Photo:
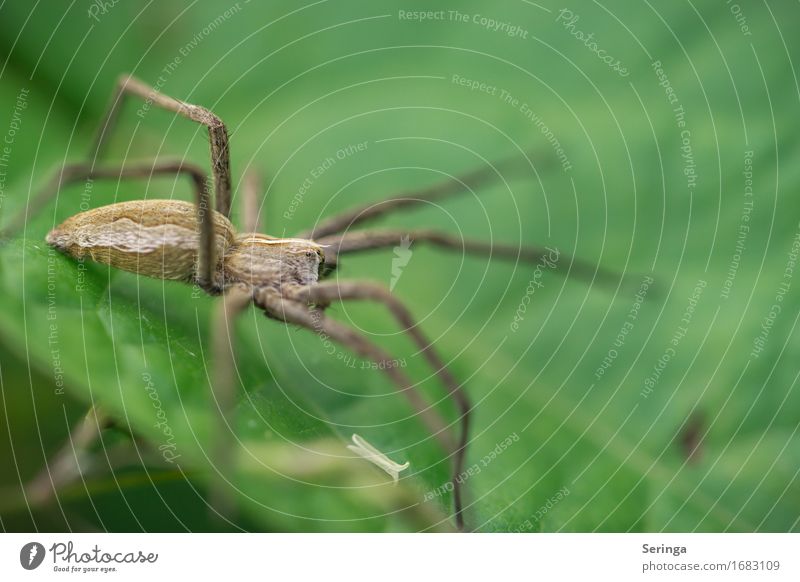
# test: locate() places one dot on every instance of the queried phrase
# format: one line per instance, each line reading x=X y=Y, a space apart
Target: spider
x=193 y=243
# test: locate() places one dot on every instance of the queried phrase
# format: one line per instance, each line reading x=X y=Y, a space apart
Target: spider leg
x=454 y=186
x=328 y=292
x=66 y=466
x=217 y=133
x=298 y=313
x=223 y=387
x=78 y=172
x=359 y=241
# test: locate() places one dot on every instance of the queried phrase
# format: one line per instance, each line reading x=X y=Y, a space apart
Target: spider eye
x=310 y=254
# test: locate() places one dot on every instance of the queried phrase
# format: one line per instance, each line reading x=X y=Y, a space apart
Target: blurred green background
x=692 y=423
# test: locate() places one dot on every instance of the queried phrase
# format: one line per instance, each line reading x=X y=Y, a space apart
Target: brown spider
x=176 y=240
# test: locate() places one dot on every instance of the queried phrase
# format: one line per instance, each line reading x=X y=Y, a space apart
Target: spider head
x=259 y=260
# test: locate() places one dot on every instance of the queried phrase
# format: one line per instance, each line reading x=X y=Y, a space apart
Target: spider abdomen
x=156 y=238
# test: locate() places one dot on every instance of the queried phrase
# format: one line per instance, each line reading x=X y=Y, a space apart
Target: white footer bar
x=378 y=557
